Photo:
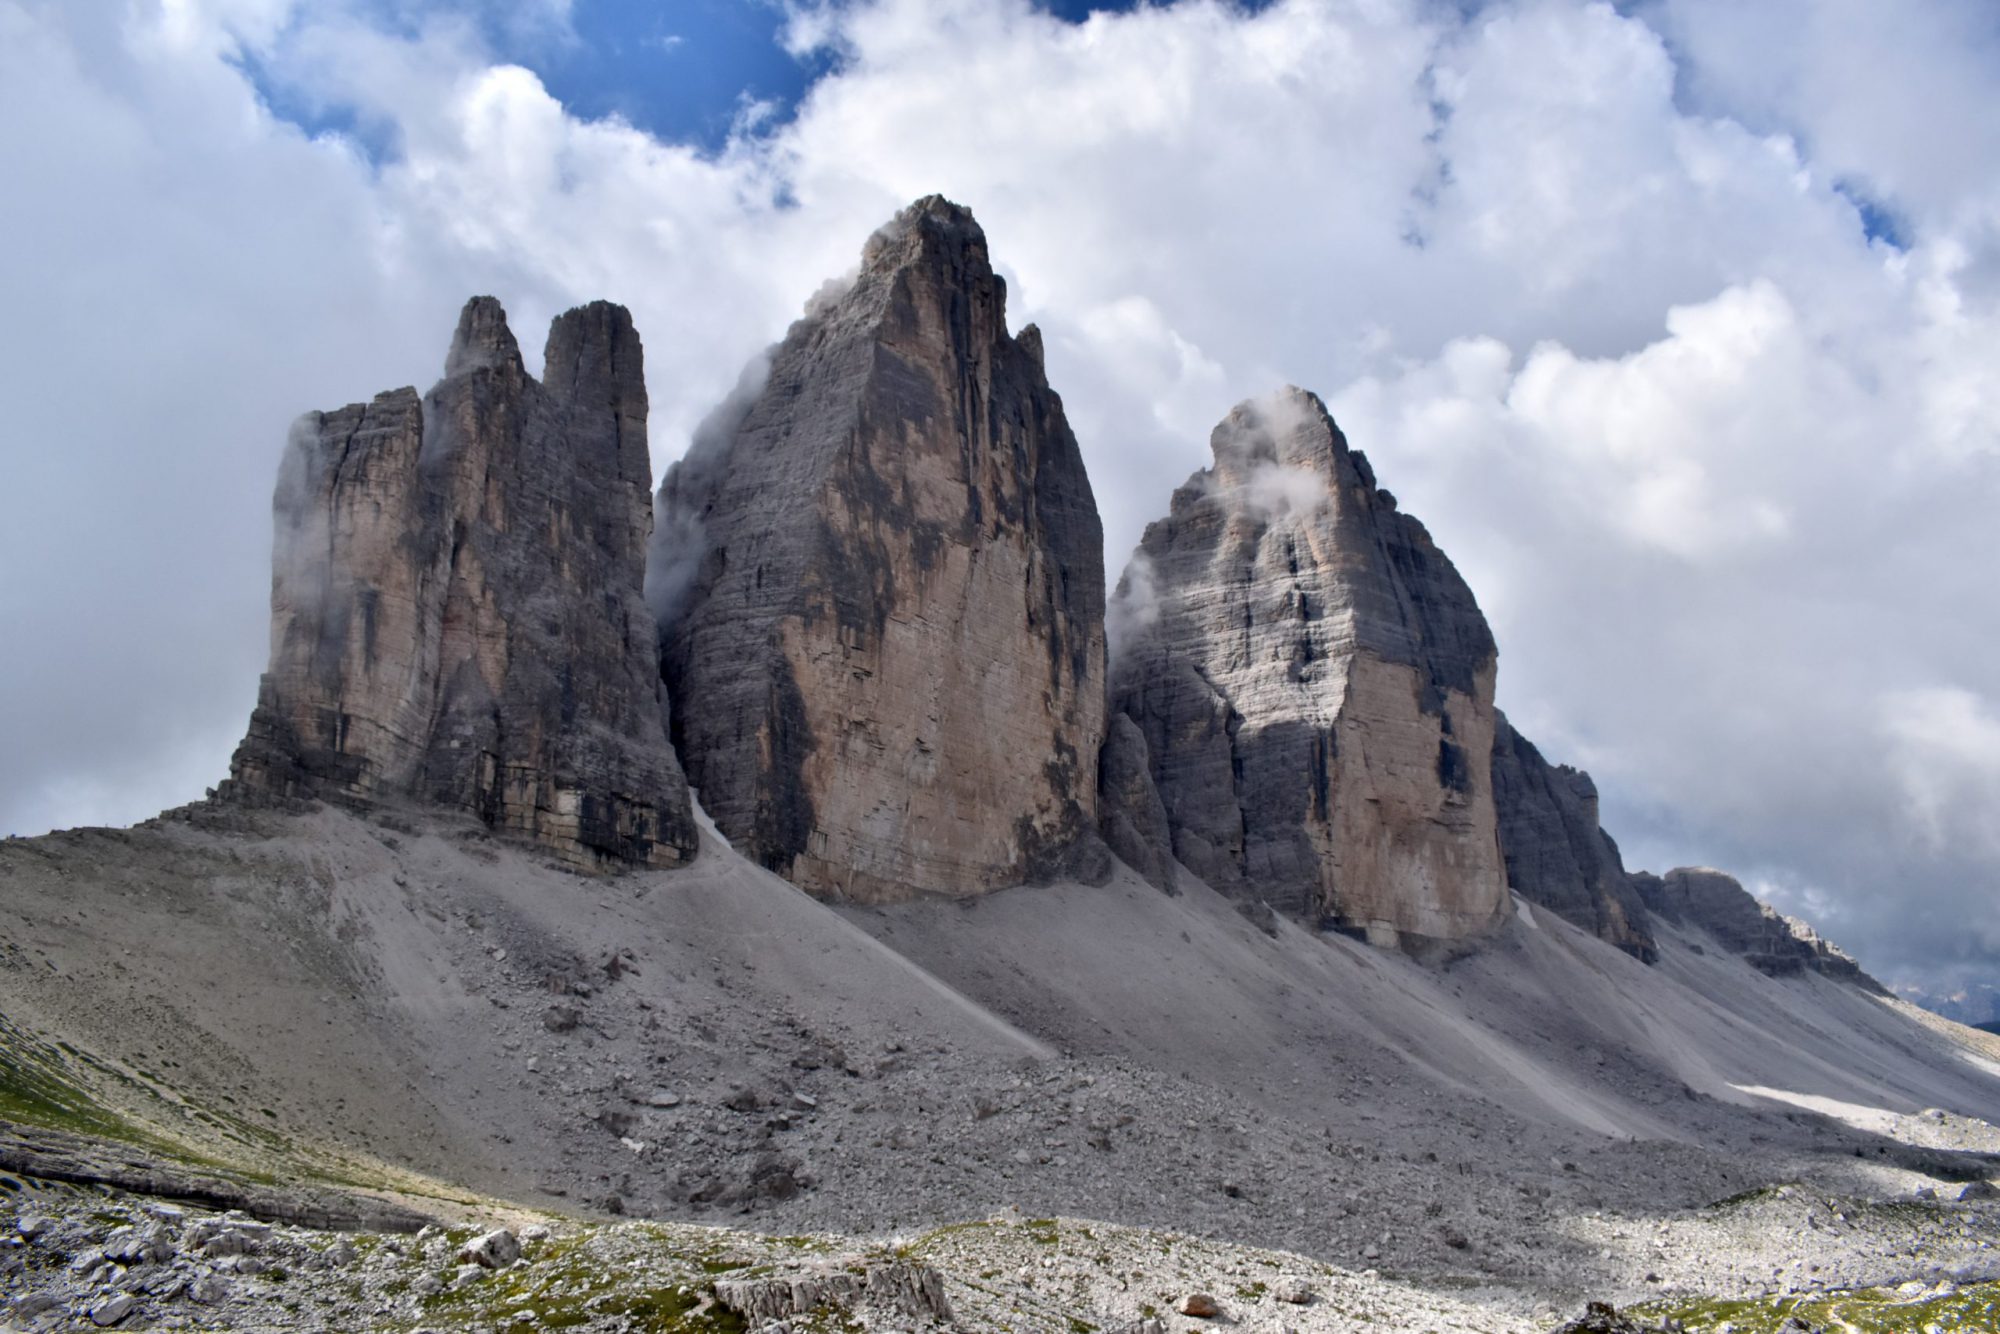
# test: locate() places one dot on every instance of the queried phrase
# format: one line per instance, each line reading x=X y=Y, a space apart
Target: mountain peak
x=888 y=666
x=482 y=339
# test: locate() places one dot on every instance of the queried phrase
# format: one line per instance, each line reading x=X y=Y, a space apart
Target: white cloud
x=1591 y=288
x=1944 y=744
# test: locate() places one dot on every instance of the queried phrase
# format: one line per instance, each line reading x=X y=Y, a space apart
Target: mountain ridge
x=1263 y=924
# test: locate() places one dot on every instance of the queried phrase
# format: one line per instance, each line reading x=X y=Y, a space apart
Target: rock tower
x=884 y=626
x=457 y=615
x=1314 y=683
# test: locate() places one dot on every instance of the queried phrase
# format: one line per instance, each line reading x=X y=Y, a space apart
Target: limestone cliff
x=1314 y=683
x=1557 y=855
x=1130 y=815
x=1769 y=941
x=456 y=607
x=883 y=616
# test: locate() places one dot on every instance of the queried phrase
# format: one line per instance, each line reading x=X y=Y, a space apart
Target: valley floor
x=388 y=1005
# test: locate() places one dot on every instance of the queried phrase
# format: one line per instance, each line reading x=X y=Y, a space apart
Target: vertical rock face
x=883 y=609
x=1768 y=941
x=456 y=607
x=1314 y=683
x=1556 y=853
x=1130 y=814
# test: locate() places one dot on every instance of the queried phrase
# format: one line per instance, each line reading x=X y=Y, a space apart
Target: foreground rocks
x=456 y=605
x=1314 y=684
x=881 y=589
x=86 y=1259
x=92 y=1162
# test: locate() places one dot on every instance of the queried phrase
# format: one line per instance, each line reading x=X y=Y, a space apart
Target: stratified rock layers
x=1769 y=941
x=1314 y=683
x=888 y=657
x=456 y=605
x=1557 y=855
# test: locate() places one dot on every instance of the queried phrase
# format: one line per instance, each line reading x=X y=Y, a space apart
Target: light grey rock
x=135 y=1245
x=492 y=1250
x=902 y=1287
x=880 y=581
x=456 y=605
x=210 y=1290
x=232 y=1241
x=1314 y=683
x=1557 y=855
x=1292 y=1291
x=113 y=1309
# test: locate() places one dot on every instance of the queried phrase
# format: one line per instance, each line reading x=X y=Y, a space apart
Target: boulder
x=1314 y=684
x=1602 y=1318
x=1293 y=1291
x=880 y=580
x=457 y=613
x=492 y=1250
x=113 y=1309
x=904 y=1288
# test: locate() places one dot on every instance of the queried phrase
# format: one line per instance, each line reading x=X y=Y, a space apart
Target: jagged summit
x=1315 y=686
x=482 y=339
x=885 y=631
x=1774 y=944
x=457 y=615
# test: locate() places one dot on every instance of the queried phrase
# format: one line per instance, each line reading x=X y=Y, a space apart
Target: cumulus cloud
x=1673 y=321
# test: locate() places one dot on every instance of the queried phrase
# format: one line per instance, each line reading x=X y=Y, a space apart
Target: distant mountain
x=1977 y=1003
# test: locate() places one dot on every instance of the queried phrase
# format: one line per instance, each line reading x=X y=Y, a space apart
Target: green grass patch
x=1974 y=1309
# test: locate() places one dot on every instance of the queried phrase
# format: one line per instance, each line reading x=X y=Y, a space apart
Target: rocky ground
x=411 y=1014
x=80 y=1258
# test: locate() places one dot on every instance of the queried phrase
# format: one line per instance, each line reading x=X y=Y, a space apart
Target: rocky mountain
x=1557 y=855
x=1767 y=940
x=1081 y=1104
x=457 y=615
x=882 y=590
x=1973 y=1003
x=1314 y=684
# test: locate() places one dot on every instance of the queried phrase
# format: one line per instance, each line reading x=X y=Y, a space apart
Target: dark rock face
x=456 y=606
x=881 y=590
x=1768 y=941
x=1314 y=684
x=1129 y=812
x=1556 y=853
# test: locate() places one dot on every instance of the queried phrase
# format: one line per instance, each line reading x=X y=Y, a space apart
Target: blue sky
x=684 y=71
